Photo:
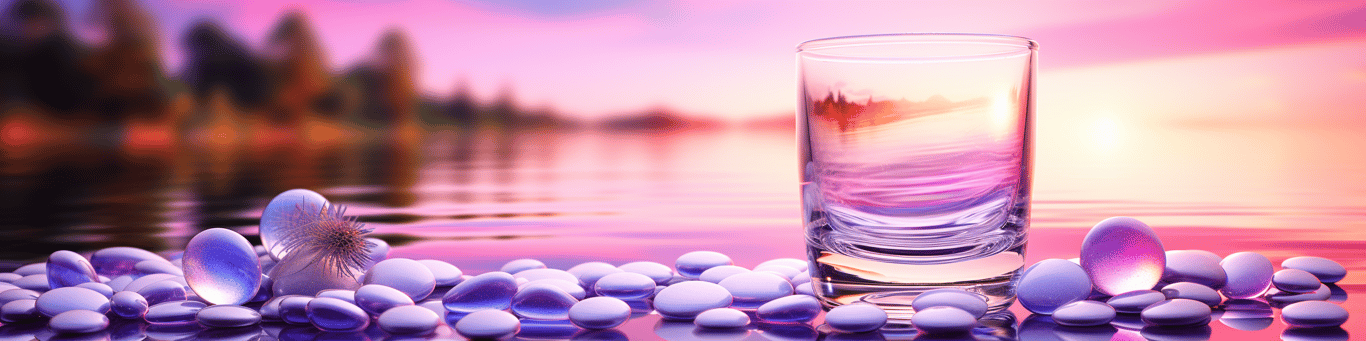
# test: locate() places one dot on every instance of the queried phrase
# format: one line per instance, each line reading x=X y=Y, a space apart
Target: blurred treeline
x=54 y=84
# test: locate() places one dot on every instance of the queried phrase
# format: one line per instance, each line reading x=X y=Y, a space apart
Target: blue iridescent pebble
x=1295 y=280
x=722 y=318
x=61 y=300
x=1325 y=269
x=101 y=288
x=790 y=309
x=1122 y=254
x=1193 y=291
x=163 y=291
x=1176 y=312
x=376 y=299
x=588 y=273
x=270 y=310
x=1083 y=314
x=753 y=289
x=332 y=314
x=1134 y=302
x=943 y=320
x=221 y=267
x=279 y=214
x=856 y=318
x=599 y=313
x=408 y=320
x=173 y=312
x=66 y=269
x=128 y=304
x=625 y=285
x=520 y=265
x=406 y=275
x=1195 y=266
x=492 y=290
x=120 y=260
x=542 y=301
x=973 y=303
x=294 y=309
x=227 y=316
x=683 y=301
x=36 y=282
x=19 y=311
x=716 y=274
x=444 y=273
x=1312 y=314
x=572 y=288
x=1050 y=284
x=157 y=266
x=660 y=273
x=78 y=321
x=487 y=324
x=1249 y=275
x=692 y=264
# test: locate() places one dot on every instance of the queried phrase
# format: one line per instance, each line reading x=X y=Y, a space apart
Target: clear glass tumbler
x=915 y=155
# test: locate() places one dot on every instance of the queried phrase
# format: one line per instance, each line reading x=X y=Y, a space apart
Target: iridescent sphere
x=67 y=269
x=289 y=206
x=1122 y=254
x=221 y=267
x=1249 y=275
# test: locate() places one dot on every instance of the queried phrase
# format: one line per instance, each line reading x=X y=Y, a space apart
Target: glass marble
x=943 y=320
x=173 y=312
x=625 y=285
x=102 y=288
x=221 y=267
x=408 y=320
x=538 y=274
x=406 y=275
x=542 y=301
x=1122 y=254
x=330 y=314
x=294 y=309
x=128 y=304
x=1176 y=312
x=19 y=311
x=120 y=260
x=716 y=274
x=659 y=272
x=1135 y=301
x=61 y=300
x=376 y=299
x=444 y=273
x=569 y=287
x=722 y=318
x=856 y=318
x=1193 y=291
x=491 y=290
x=163 y=291
x=789 y=309
x=32 y=269
x=1312 y=314
x=683 y=301
x=752 y=289
x=17 y=294
x=487 y=324
x=35 y=282
x=144 y=281
x=157 y=266
x=973 y=303
x=1287 y=280
x=78 y=322
x=283 y=209
x=1249 y=275
x=692 y=264
x=227 y=316
x=66 y=269
x=1052 y=283
x=1327 y=270
x=1196 y=266
x=519 y=265
x=599 y=313
x=1084 y=314
x=588 y=273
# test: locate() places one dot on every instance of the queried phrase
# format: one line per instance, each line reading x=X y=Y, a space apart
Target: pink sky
x=735 y=58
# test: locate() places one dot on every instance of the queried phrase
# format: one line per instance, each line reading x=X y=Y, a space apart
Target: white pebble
x=973 y=303
x=856 y=318
x=1084 y=314
x=599 y=313
x=1295 y=280
x=716 y=274
x=1325 y=269
x=408 y=320
x=722 y=318
x=488 y=324
x=588 y=273
x=78 y=321
x=943 y=320
x=444 y=273
x=625 y=285
x=1176 y=312
x=683 y=301
x=1135 y=301
x=1193 y=291
x=752 y=289
x=523 y=264
x=693 y=264
x=790 y=309
x=660 y=273
x=1314 y=314
x=406 y=275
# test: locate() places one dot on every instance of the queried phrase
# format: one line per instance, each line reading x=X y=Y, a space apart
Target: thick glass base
x=842 y=280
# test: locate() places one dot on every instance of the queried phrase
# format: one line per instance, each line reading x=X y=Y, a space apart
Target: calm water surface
x=481 y=198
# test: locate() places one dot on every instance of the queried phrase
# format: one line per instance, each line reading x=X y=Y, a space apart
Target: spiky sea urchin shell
x=337 y=241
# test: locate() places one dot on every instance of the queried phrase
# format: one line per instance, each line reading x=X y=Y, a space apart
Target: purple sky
x=735 y=58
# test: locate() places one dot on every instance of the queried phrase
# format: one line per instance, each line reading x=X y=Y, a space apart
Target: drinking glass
x=915 y=163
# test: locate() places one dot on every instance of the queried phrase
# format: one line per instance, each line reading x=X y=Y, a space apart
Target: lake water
x=481 y=198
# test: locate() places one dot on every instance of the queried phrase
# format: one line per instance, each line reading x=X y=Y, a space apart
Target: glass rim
x=828 y=48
